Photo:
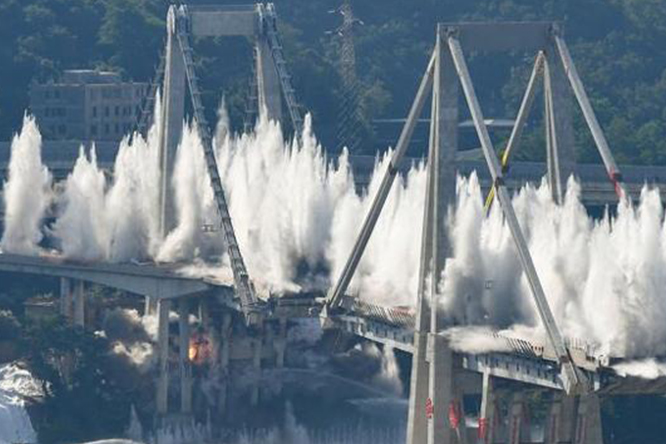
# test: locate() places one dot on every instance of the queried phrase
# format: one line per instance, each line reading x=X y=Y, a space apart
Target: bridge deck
x=153 y=280
x=505 y=357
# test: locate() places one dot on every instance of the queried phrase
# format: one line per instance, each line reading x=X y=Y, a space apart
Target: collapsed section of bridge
x=440 y=374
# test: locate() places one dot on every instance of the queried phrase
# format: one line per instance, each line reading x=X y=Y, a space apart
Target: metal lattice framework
x=349 y=124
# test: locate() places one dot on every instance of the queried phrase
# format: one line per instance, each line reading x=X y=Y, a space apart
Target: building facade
x=87 y=105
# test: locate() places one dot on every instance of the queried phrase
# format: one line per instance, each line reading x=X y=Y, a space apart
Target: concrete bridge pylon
x=436 y=409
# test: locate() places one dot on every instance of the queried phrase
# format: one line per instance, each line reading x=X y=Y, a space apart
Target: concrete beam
x=224 y=21
x=507 y=36
x=146 y=280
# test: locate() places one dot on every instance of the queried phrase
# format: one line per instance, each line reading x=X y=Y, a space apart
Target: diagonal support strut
x=570 y=375
x=521 y=119
x=335 y=298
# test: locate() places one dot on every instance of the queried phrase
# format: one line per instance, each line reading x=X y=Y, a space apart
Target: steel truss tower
x=436 y=414
x=349 y=128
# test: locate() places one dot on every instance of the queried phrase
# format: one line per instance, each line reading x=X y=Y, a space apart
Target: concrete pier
x=79 y=303
x=72 y=301
x=516 y=418
x=257 y=348
x=225 y=356
x=183 y=356
x=561 y=422
x=163 y=353
x=487 y=412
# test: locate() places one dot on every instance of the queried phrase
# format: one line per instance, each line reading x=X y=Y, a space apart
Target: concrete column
x=281 y=344
x=487 y=413
x=225 y=353
x=560 y=426
x=448 y=419
x=268 y=82
x=163 y=353
x=183 y=357
x=66 y=298
x=516 y=418
x=256 y=364
x=552 y=140
x=562 y=113
x=173 y=113
x=204 y=312
x=446 y=422
x=588 y=426
x=150 y=307
x=79 y=303
x=428 y=405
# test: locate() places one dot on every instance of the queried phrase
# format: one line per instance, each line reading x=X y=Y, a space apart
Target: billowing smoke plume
x=297 y=214
x=603 y=279
x=81 y=227
x=26 y=193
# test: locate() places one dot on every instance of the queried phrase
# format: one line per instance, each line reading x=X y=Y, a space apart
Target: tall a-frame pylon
x=435 y=405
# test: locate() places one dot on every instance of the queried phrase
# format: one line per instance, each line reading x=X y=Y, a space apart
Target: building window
x=106 y=128
x=47 y=94
x=117 y=110
x=117 y=128
x=137 y=110
x=94 y=111
x=56 y=94
x=93 y=130
x=106 y=111
x=47 y=111
x=62 y=129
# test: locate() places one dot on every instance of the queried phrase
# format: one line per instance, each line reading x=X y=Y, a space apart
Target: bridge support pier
x=487 y=413
x=269 y=90
x=162 y=396
x=516 y=418
x=79 y=303
x=446 y=424
x=561 y=422
x=150 y=307
x=173 y=115
x=588 y=427
x=256 y=364
x=66 y=298
x=281 y=344
x=183 y=357
x=72 y=301
x=225 y=354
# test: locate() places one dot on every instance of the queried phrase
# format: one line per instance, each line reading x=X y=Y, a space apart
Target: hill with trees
x=617 y=44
